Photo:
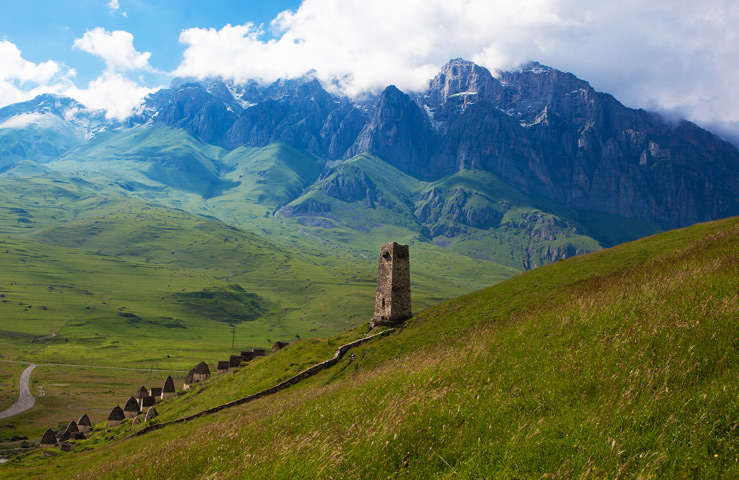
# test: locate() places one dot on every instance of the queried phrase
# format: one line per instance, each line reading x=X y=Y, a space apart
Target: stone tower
x=393 y=298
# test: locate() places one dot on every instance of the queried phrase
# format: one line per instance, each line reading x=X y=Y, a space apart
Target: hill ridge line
x=309 y=372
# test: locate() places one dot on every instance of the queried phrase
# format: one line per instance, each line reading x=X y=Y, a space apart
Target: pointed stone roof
x=188 y=378
x=247 y=356
x=49 y=437
x=168 y=385
x=72 y=427
x=84 y=421
x=151 y=414
x=156 y=391
x=278 y=346
x=147 y=402
x=141 y=392
x=131 y=405
x=234 y=361
x=116 y=414
x=64 y=436
x=202 y=369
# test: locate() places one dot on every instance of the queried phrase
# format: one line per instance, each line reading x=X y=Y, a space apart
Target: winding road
x=25 y=399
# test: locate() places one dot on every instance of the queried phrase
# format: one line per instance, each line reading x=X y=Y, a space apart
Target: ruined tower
x=393 y=298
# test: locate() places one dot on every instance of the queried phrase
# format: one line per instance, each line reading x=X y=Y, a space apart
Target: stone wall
x=340 y=352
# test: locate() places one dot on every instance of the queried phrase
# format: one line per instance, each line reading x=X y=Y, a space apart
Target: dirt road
x=25 y=399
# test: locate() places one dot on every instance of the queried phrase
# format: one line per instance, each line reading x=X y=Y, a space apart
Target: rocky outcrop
x=549 y=133
x=350 y=186
x=298 y=112
x=399 y=132
x=197 y=111
x=437 y=208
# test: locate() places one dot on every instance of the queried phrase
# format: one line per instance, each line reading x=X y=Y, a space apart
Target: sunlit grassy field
x=64 y=392
x=92 y=277
x=618 y=364
x=9 y=378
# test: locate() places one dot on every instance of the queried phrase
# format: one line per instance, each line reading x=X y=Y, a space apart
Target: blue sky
x=678 y=57
x=47 y=29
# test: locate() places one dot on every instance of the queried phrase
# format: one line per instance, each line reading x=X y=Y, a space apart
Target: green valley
x=92 y=277
x=616 y=361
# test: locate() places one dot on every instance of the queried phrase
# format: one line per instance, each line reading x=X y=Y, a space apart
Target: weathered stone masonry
x=393 y=297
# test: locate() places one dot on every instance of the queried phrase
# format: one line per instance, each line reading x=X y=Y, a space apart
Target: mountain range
x=519 y=169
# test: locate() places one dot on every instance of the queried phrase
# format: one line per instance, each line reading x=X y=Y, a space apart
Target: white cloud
x=115 y=48
x=675 y=55
x=14 y=67
x=112 y=92
x=22 y=80
x=115 y=7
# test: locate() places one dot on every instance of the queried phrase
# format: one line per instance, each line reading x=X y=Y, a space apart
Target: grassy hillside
x=472 y=213
x=92 y=277
x=70 y=212
x=288 y=196
x=208 y=256
x=617 y=364
x=246 y=186
x=36 y=143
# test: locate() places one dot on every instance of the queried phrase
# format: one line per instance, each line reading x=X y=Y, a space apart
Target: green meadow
x=94 y=268
x=9 y=378
x=616 y=364
x=91 y=277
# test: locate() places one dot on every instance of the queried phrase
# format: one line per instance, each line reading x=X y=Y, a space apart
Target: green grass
x=69 y=392
x=111 y=277
x=471 y=213
x=353 y=207
x=9 y=378
x=617 y=364
x=293 y=280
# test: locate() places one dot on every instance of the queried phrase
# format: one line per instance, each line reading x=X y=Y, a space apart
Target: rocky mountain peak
x=47 y=104
x=57 y=113
x=398 y=130
x=459 y=84
x=534 y=87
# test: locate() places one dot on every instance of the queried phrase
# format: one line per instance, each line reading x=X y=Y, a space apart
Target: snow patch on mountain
x=25 y=120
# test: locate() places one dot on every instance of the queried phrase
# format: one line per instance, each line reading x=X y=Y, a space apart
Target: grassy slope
x=71 y=212
x=621 y=363
x=153 y=262
x=145 y=287
x=396 y=200
x=513 y=241
x=246 y=186
x=40 y=144
x=133 y=274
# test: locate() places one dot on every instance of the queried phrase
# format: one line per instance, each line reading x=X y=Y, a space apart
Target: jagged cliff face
x=550 y=133
x=297 y=112
x=544 y=131
x=522 y=168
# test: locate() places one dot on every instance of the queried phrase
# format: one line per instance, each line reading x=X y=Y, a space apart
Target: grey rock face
x=400 y=132
x=543 y=131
